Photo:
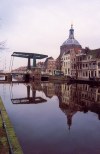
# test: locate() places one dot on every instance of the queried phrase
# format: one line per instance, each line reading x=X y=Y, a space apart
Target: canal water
x=54 y=118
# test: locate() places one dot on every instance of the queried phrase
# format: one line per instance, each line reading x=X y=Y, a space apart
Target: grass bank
x=12 y=136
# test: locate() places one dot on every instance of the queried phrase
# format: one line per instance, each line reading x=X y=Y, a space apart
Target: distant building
x=41 y=66
x=50 y=65
x=88 y=64
x=77 y=62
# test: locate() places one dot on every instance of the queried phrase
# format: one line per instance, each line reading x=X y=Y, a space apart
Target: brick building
x=50 y=65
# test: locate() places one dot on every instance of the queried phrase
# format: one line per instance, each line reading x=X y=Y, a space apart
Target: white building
x=66 y=63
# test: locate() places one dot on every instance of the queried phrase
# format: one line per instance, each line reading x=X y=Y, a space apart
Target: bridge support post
x=8 y=77
x=29 y=63
x=34 y=62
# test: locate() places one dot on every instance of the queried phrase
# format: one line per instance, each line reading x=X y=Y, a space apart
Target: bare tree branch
x=2 y=45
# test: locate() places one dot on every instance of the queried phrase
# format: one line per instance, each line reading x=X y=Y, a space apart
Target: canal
x=54 y=118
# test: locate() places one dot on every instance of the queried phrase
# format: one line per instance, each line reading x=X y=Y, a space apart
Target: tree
x=2 y=45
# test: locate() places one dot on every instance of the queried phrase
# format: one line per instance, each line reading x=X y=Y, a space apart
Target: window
x=80 y=66
x=80 y=58
x=74 y=66
x=94 y=63
x=99 y=65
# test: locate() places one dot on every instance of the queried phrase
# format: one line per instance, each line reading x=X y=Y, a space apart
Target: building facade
x=88 y=64
x=50 y=65
x=77 y=62
x=66 y=64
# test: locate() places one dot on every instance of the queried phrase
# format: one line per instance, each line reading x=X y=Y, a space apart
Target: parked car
x=58 y=73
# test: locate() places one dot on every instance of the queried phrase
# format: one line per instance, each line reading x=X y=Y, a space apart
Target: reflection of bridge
x=29 y=99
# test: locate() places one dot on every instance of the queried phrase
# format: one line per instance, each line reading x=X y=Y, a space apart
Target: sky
x=42 y=26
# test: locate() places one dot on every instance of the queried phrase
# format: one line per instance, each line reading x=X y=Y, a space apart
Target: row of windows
x=66 y=63
x=65 y=58
x=84 y=58
x=88 y=74
x=85 y=65
x=88 y=96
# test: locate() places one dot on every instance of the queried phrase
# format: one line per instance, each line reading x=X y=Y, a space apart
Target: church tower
x=70 y=43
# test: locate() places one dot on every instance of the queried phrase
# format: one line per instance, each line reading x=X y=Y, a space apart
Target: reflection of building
x=79 y=97
x=49 y=89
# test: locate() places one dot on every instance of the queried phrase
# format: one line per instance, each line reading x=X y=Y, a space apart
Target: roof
x=66 y=53
x=95 y=53
x=71 y=40
x=49 y=58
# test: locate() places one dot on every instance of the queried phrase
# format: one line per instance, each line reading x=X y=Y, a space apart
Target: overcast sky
x=42 y=26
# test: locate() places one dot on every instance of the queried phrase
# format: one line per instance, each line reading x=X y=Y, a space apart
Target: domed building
x=77 y=62
x=70 y=43
x=68 y=50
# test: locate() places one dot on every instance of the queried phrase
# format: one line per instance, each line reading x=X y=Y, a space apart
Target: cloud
x=42 y=26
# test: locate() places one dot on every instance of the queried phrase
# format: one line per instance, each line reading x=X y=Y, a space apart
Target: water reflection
x=72 y=98
x=79 y=97
x=75 y=106
x=30 y=98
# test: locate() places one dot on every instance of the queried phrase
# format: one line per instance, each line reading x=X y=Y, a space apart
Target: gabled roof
x=95 y=53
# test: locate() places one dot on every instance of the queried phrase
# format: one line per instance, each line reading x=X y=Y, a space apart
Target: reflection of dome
x=69 y=112
x=71 y=40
